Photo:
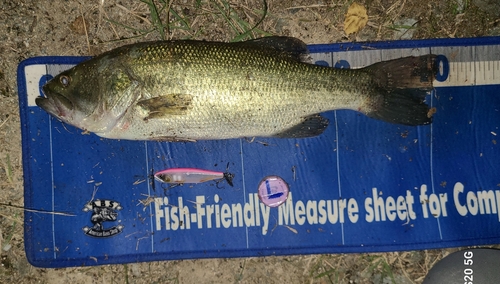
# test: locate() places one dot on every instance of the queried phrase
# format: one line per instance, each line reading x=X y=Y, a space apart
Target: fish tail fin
x=401 y=86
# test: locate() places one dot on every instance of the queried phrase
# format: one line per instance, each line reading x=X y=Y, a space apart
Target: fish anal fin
x=311 y=126
x=166 y=105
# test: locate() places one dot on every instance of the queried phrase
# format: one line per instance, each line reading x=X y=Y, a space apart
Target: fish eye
x=65 y=80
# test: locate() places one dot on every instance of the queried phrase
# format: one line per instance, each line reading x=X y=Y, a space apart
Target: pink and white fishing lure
x=192 y=175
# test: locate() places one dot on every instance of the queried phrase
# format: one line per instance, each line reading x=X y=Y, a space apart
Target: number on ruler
x=443 y=68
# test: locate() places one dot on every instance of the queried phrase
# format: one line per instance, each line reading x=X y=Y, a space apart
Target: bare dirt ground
x=72 y=27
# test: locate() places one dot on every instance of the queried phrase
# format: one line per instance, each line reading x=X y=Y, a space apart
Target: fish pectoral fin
x=311 y=126
x=166 y=105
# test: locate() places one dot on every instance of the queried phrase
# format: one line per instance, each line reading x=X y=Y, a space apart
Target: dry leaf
x=355 y=19
x=431 y=112
x=79 y=25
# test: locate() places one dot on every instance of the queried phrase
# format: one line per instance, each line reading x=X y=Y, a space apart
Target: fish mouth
x=55 y=104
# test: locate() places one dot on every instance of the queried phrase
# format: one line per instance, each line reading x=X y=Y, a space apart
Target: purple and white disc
x=273 y=191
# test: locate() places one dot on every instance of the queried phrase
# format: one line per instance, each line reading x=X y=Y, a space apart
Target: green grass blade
x=184 y=24
x=153 y=10
x=8 y=169
x=326 y=273
x=248 y=33
x=223 y=13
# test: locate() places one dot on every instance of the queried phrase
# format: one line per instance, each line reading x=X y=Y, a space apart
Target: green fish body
x=196 y=90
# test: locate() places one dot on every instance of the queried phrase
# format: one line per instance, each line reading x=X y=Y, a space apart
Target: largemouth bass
x=196 y=90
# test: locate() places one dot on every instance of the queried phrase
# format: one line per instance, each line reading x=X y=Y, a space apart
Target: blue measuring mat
x=361 y=186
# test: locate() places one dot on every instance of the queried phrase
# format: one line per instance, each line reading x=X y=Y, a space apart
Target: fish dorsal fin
x=166 y=105
x=311 y=126
x=294 y=47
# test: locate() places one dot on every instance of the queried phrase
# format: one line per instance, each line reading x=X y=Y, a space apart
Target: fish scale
x=195 y=90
